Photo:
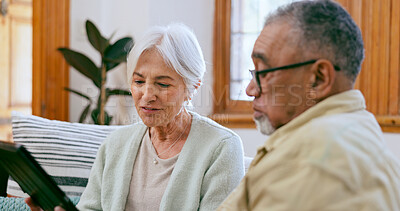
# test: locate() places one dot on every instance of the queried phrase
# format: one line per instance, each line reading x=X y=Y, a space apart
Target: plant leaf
x=117 y=52
x=110 y=92
x=86 y=110
x=112 y=35
x=111 y=65
x=96 y=114
x=78 y=93
x=83 y=64
x=95 y=38
x=111 y=60
x=84 y=113
x=107 y=118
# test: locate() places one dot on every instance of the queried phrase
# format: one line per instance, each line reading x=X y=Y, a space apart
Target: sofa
x=65 y=150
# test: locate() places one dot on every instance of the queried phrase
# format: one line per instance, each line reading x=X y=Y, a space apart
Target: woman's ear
x=323 y=79
x=188 y=97
x=196 y=86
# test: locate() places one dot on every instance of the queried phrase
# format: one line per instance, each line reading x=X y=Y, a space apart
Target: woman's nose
x=252 y=90
x=149 y=93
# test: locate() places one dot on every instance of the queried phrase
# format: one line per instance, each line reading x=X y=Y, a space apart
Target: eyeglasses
x=256 y=73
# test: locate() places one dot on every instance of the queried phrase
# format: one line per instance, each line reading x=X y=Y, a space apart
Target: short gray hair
x=325 y=29
x=180 y=49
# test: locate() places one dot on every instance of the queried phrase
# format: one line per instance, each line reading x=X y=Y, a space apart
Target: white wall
x=133 y=17
x=393 y=142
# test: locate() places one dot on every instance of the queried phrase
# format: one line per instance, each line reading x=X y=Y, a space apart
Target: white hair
x=264 y=125
x=180 y=49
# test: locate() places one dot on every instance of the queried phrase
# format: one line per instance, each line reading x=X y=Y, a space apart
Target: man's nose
x=252 y=89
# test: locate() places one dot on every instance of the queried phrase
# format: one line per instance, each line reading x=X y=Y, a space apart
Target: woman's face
x=158 y=91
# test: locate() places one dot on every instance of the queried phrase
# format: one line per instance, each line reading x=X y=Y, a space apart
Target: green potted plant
x=112 y=54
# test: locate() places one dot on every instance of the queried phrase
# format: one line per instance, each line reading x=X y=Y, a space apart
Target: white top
x=149 y=179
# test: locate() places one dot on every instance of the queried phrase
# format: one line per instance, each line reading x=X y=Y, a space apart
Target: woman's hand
x=35 y=207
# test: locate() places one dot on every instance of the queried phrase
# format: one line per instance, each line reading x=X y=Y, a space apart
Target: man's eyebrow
x=260 y=56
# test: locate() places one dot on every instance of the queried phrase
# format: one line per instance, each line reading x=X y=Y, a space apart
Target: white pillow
x=65 y=150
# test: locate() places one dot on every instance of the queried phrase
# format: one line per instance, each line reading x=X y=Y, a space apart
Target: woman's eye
x=139 y=82
x=163 y=85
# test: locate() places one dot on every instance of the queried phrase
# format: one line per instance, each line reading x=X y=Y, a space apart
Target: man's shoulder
x=362 y=123
x=354 y=135
x=345 y=134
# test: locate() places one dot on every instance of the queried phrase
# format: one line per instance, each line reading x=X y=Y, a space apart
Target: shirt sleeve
x=299 y=186
x=224 y=173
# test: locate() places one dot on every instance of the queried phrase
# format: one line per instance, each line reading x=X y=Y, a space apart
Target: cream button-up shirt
x=331 y=157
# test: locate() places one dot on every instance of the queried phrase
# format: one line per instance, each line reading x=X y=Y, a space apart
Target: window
x=247 y=21
x=236 y=27
x=237 y=24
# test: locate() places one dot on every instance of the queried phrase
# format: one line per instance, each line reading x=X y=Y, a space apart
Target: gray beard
x=264 y=125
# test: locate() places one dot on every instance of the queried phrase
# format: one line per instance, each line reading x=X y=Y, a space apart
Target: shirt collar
x=343 y=102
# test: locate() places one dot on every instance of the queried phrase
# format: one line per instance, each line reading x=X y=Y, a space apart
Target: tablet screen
x=31 y=177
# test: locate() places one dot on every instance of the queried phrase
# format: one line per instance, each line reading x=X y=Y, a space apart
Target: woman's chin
x=160 y=118
x=153 y=121
x=150 y=122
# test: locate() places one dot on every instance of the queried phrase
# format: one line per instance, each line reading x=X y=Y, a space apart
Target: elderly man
x=325 y=152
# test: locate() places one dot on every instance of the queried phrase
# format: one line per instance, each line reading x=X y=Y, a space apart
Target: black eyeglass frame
x=256 y=73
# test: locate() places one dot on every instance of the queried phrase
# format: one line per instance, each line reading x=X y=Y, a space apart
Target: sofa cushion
x=10 y=203
x=65 y=150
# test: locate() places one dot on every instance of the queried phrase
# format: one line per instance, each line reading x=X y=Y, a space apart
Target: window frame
x=382 y=99
x=50 y=72
x=230 y=113
x=379 y=22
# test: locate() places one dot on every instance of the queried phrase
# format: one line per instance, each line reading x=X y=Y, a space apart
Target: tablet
x=31 y=177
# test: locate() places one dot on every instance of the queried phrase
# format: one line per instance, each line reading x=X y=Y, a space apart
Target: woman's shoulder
x=207 y=127
x=122 y=134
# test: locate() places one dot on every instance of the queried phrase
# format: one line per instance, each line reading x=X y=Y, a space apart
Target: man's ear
x=323 y=79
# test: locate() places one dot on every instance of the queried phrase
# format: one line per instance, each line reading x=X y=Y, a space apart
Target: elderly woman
x=174 y=159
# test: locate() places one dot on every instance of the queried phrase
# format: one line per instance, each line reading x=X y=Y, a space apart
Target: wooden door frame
x=50 y=72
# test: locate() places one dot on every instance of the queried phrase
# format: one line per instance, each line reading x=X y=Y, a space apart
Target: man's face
x=283 y=95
